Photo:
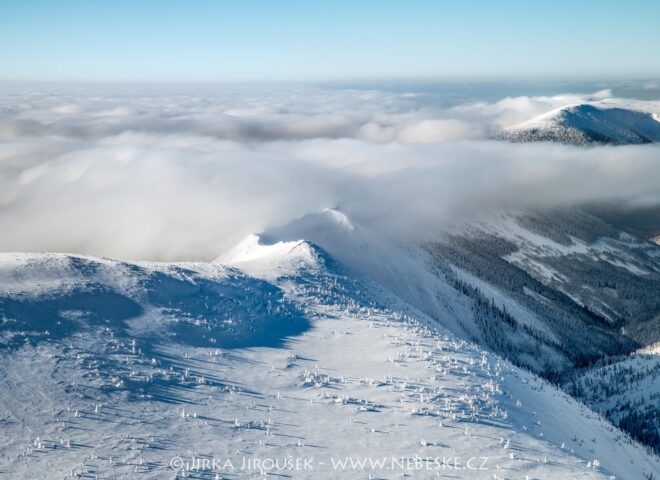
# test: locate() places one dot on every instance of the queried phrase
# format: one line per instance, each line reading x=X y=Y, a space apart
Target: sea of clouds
x=184 y=172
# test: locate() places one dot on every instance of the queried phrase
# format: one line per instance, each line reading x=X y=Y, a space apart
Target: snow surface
x=280 y=349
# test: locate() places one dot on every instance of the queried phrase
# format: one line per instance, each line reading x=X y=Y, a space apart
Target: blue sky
x=254 y=40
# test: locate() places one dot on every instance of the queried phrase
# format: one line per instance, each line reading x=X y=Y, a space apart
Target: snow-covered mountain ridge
x=552 y=291
x=303 y=341
x=604 y=121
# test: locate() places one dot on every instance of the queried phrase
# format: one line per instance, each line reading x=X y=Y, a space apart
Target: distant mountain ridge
x=589 y=123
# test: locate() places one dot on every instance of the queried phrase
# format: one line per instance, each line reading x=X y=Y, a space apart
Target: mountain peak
x=261 y=256
x=587 y=123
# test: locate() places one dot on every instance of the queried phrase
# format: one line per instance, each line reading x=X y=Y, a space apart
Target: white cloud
x=431 y=131
x=185 y=176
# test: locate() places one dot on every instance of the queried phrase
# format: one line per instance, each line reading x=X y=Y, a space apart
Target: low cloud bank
x=185 y=174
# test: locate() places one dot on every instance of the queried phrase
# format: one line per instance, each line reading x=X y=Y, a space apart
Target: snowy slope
x=567 y=261
x=283 y=353
x=598 y=122
x=626 y=390
x=552 y=291
x=611 y=273
x=585 y=292
x=335 y=230
x=442 y=288
x=403 y=269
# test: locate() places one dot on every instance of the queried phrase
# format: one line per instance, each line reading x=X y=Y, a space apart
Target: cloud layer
x=183 y=174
